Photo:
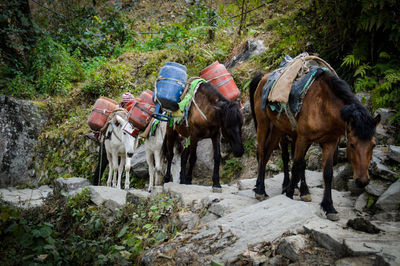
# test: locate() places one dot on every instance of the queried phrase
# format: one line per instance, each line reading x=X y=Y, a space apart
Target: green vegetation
x=232 y=168
x=71 y=231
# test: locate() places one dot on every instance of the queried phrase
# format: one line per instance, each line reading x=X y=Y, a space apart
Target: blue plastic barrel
x=170 y=85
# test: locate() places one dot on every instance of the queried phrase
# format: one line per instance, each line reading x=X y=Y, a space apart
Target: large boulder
x=20 y=124
x=245 y=51
x=25 y=198
x=390 y=199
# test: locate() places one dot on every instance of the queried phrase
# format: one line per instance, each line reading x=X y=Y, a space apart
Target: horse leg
x=299 y=165
x=184 y=157
x=273 y=138
x=115 y=168
x=216 y=188
x=157 y=163
x=127 y=170
x=304 y=191
x=262 y=133
x=110 y=169
x=192 y=159
x=120 y=170
x=170 y=137
x=150 y=162
x=327 y=164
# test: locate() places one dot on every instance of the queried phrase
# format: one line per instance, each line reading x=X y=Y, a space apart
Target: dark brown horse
x=213 y=116
x=329 y=111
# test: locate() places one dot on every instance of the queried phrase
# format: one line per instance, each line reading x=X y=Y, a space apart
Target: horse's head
x=360 y=130
x=231 y=125
x=127 y=138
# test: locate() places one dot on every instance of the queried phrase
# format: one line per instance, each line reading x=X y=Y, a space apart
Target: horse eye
x=352 y=145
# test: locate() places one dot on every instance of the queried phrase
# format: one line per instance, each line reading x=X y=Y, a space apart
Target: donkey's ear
x=377 y=119
x=119 y=120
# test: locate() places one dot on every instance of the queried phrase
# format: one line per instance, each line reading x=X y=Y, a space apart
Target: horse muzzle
x=361 y=182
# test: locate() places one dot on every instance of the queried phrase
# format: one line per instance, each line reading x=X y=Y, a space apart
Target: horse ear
x=377 y=119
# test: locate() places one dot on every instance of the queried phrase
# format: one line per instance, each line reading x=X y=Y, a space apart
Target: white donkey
x=156 y=160
x=120 y=144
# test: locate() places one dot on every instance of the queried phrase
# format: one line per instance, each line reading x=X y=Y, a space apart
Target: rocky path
x=233 y=227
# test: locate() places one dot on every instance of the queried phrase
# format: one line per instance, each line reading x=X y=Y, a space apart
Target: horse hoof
x=296 y=192
x=261 y=197
x=306 y=198
x=217 y=189
x=333 y=216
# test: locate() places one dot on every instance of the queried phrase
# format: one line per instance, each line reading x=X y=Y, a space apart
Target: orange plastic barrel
x=101 y=110
x=141 y=109
x=218 y=76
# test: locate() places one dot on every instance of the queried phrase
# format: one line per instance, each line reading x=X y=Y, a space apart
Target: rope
x=111 y=116
x=217 y=77
x=195 y=104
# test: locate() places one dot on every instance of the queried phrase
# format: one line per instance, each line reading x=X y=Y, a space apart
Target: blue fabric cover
x=298 y=88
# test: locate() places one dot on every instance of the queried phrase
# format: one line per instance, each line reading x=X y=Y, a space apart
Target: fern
x=362 y=70
x=351 y=61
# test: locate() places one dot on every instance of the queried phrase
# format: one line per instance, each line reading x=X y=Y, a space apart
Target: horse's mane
x=353 y=112
x=229 y=111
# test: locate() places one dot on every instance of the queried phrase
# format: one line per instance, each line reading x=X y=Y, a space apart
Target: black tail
x=253 y=86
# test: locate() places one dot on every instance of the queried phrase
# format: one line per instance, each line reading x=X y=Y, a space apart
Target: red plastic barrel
x=141 y=109
x=218 y=76
x=101 y=110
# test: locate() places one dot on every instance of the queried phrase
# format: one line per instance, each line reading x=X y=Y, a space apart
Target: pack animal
x=210 y=116
x=155 y=147
x=119 y=144
x=330 y=110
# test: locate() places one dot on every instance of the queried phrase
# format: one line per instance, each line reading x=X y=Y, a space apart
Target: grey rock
x=291 y=246
x=386 y=115
x=25 y=198
x=394 y=153
x=112 y=198
x=343 y=241
x=250 y=48
x=390 y=199
x=377 y=187
x=314 y=158
x=384 y=135
x=208 y=218
x=356 y=261
x=353 y=188
x=204 y=166
x=379 y=170
x=139 y=164
x=391 y=216
x=137 y=196
x=227 y=237
x=224 y=204
x=361 y=202
x=341 y=174
x=20 y=125
x=71 y=185
x=188 y=219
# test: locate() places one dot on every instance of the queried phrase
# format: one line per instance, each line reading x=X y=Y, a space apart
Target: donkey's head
x=231 y=121
x=360 y=130
x=127 y=135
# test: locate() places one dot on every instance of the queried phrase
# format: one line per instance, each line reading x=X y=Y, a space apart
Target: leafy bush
x=70 y=231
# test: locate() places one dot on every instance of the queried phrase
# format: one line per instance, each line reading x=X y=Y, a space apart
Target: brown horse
x=213 y=116
x=329 y=111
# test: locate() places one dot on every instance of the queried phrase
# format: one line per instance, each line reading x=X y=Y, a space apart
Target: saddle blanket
x=297 y=92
